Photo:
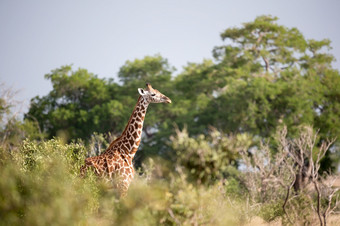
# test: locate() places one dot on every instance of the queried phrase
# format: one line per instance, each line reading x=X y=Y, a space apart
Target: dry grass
x=334 y=220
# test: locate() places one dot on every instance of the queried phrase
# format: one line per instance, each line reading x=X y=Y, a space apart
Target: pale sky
x=39 y=36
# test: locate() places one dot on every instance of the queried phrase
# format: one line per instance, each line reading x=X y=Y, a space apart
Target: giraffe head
x=152 y=95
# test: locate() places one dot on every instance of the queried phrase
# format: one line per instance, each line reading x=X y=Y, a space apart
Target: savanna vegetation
x=250 y=134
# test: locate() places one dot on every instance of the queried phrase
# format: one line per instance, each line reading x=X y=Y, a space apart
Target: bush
x=41 y=185
x=207 y=158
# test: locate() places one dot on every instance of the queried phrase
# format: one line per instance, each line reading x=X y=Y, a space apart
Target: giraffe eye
x=153 y=94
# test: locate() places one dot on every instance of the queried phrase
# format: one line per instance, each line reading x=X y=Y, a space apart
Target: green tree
x=266 y=75
x=276 y=76
x=79 y=104
x=153 y=69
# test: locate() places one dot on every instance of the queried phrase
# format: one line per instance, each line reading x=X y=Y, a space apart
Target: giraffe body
x=115 y=164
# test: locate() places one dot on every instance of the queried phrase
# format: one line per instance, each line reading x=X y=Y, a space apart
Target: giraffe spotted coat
x=115 y=163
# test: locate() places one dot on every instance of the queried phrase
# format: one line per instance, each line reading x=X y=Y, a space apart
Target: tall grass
x=40 y=185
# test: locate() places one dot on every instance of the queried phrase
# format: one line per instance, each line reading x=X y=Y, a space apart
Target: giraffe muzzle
x=167 y=100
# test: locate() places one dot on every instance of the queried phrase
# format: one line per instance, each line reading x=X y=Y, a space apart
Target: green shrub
x=44 y=156
x=40 y=185
x=207 y=158
x=270 y=211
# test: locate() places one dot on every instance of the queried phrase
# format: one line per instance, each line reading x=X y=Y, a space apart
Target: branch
x=266 y=63
x=318 y=204
x=286 y=199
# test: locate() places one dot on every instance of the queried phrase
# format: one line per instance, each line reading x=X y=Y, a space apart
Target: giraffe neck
x=132 y=133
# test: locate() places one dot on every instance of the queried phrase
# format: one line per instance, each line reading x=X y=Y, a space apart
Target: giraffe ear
x=141 y=91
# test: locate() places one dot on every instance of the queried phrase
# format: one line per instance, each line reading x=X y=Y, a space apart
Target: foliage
x=271 y=211
x=272 y=74
x=41 y=185
x=153 y=69
x=207 y=159
x=79 y=104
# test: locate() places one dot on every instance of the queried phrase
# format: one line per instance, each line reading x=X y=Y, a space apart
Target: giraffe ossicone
x=115 y=163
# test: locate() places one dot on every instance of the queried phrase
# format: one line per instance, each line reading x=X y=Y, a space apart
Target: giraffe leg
x=121 y=185
x=123 y=189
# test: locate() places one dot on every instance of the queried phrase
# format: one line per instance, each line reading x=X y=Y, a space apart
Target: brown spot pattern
x=116 y=162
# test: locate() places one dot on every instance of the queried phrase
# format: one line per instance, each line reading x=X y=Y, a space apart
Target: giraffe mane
x=126 y=128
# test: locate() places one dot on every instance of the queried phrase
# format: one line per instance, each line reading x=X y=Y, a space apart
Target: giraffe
x=115 y=163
